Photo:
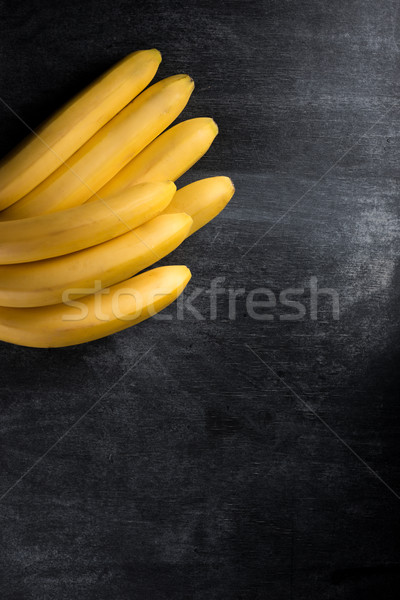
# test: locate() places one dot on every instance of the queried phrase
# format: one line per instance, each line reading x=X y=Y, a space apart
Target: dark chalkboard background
x=239 y=459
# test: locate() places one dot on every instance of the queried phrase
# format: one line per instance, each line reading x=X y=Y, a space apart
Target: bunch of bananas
x=89 y=201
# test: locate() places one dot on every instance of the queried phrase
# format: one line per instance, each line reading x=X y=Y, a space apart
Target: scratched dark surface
x=204 y=472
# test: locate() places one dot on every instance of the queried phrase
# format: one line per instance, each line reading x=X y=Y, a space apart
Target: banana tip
x=171 y=184
x=214 y=126
x=189 y=79
x=156 y=53
x=187 y=273
x=227 y=183
x=152 y=53
x=187 y=219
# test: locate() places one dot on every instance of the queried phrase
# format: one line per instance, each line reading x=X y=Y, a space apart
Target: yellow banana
x=108 y=151
x=167 y=157
x=97 y=315
x=46 y=236
x=43 y=282
x=62 y=135
x=202 y=200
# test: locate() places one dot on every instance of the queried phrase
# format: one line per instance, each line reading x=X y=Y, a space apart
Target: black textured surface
x=202 y=474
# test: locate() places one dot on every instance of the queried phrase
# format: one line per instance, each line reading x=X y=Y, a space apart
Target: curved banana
x=27 y=240
x=167 y=157
x=64 y=133
x=95 y=316
x=108 y=151
x=44 y=282
x=202 y=200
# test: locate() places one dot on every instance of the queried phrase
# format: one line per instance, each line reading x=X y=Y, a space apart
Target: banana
x=36 y=238
x=167 y=157
x=202 y=200
x=97 y=315
x=74 y=124
x=44 y=282
x=108 y=151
